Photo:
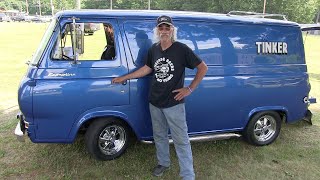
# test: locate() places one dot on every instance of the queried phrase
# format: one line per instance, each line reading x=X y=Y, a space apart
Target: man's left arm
x=186 y=91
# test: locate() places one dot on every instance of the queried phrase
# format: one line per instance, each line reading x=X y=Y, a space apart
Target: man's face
x=165 y=32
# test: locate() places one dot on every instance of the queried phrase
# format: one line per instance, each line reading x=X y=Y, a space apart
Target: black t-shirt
x=168 y=72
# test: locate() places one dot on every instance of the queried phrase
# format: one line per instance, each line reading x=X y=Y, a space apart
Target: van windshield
x=45 y=39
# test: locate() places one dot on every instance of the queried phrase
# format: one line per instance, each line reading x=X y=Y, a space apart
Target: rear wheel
x=263 y=128
x=107 y=139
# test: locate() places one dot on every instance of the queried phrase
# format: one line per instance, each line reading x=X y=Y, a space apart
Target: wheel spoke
x=102 y=139
x=113 y=133
x=107 y=132
x=259 y=123
x=258 y=131
x=265 y=121
x=269 y=127
x=116 y=132
x=106 y=147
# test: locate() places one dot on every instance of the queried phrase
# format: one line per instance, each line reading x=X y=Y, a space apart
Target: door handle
x=124 y=82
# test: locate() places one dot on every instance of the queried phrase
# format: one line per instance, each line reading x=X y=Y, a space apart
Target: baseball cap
x=164 y=20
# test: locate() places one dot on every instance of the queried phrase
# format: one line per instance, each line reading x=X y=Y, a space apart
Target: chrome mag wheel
x=112 y=139
x=265 y=128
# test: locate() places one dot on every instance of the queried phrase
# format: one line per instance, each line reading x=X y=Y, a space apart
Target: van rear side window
x=140 y=38
x=98 y=43
x=229 y=44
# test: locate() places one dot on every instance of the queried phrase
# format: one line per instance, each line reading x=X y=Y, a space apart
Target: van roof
x=153 y=14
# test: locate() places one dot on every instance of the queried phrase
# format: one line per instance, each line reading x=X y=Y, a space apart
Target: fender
x=94 y=113
x=266 y=108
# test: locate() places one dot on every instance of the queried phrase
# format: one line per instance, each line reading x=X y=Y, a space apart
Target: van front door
x=66 y=90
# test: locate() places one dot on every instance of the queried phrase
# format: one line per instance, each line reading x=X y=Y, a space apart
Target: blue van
x=257 y=78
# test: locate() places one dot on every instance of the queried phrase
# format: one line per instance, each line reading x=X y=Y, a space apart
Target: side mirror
x=77 y=37
x=80 y=38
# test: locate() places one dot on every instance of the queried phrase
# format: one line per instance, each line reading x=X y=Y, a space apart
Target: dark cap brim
x=165 y=23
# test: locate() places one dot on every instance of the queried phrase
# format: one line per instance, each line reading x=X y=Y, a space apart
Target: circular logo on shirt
x=164 y=69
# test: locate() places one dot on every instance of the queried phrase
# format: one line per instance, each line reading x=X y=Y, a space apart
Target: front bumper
x=20 y=128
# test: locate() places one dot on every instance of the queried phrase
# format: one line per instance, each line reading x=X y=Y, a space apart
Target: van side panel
x=239 y=79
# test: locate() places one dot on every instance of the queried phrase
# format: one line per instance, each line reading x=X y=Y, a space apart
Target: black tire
x=107 y=134
x=263 y=128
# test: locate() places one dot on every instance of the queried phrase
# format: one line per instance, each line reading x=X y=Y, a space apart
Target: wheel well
x=281 y=113
x=83 y=128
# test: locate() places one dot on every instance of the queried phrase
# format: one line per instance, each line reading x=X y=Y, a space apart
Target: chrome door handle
x=124 y=82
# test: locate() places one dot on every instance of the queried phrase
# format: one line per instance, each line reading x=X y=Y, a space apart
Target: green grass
x=18 y=42
x=295 y=154
x=312 y=50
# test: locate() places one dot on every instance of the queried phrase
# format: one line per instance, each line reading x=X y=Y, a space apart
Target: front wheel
x=263 y=128
x=107 y=139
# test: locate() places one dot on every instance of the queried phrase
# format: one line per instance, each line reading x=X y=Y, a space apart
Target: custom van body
x=257 y=77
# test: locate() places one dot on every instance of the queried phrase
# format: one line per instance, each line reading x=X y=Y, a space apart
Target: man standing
x=167 y=60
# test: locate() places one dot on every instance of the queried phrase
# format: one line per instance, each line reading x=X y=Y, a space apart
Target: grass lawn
x=294 y=155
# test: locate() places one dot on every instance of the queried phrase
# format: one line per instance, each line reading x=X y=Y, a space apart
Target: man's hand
x=144 y=70
x=118 y=80
x=183 y=92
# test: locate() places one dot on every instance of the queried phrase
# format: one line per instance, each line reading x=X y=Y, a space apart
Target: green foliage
x=116 y=4
x=95 y=4
x=296 y=10
x=11 y=4
x=301 y=11
x=33 y=5
x=130 y=4
x=221 y=6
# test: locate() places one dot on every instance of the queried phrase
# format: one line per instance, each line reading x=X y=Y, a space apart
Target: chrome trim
x=312 y=100
x=201 y=138
x=309 y=100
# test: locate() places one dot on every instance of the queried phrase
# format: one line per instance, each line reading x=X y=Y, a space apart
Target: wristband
x=189 y=89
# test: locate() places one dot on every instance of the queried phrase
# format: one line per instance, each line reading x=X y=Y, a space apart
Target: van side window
x=140 y=38
x=98 y=43
x=202 y=40
x=229 y=44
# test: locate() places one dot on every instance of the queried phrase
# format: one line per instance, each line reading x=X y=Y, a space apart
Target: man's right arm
x=143 y=71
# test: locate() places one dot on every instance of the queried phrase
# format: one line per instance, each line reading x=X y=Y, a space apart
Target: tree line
x=302 y=11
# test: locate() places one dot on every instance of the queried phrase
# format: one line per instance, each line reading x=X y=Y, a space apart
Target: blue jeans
x=175 y=119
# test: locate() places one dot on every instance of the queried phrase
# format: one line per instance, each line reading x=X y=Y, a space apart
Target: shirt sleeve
x=192 y=60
